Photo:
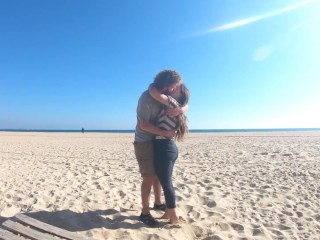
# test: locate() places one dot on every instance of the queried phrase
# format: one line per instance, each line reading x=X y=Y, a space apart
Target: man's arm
x=148 y=127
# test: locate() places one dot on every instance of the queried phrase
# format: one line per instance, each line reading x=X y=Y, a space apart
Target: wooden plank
x=6 y=235
x=49 y=228
x=26 y=231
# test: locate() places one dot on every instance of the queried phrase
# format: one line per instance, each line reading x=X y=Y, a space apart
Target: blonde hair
x=183 y=126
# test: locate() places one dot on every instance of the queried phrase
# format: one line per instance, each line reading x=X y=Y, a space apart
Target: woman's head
x=183 y=96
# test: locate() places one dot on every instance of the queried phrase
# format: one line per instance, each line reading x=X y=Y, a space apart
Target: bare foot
x=177 y=220
x=174 y=220
x=165 y=216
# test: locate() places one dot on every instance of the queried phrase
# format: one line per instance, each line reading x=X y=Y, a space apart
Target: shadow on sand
x=74 y=222
x=2 y=219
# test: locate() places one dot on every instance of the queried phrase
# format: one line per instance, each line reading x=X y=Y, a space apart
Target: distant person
x=165 y=149
x=82 y=130
x=147 y=112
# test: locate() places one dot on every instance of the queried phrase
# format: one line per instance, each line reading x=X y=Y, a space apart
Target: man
x=147 y=112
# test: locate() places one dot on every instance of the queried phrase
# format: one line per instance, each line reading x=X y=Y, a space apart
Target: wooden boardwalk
x=22 y=227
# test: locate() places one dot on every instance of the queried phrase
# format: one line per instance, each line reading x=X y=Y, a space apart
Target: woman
x=166 y=151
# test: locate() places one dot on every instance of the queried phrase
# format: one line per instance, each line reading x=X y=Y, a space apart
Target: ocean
x=191 y=130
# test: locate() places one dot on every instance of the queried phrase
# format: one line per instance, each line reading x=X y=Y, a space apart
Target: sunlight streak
x=258 y=18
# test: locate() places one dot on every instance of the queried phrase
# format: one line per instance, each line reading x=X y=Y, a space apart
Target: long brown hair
x=183 y=127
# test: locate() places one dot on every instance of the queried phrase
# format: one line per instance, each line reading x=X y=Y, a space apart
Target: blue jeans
x=166 y=154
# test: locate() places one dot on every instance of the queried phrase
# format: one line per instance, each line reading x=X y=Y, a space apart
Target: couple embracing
x=160 y=121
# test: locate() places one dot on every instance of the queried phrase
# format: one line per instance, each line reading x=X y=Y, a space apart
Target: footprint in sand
x=195 y=214
x=258 y=232
x=179 y=198
x=276 y=232
x=317 y=217
x=207 y=181
x=211 y=204
x=299 y=214
x=187 y=208
x=287 y=213
x=199 y=231
x=287 y=154
x=283 y=227
x=97 y=185
x=223 y=226
x=17 y=199
x=85 y=199
x=237 y=227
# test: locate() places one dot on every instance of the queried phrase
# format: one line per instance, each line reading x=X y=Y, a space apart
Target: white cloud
x=246 y=21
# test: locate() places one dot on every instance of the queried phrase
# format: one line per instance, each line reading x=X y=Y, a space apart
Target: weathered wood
x=49 y=228
x=26 y=231
x=6 y=235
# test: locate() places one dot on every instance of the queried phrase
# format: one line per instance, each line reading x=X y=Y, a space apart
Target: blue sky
x=67 y=64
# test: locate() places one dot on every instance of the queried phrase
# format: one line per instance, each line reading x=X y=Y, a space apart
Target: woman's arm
x=158 y=96
x=171 y=112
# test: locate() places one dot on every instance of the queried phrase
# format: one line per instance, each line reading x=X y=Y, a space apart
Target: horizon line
x=132 y=130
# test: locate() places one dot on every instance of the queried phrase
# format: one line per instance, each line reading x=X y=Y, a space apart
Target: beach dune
x=228 y=185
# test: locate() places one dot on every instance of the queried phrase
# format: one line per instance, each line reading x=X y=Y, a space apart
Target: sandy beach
x=228 y=185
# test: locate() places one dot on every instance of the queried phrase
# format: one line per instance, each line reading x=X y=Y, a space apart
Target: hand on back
x=170 y=134
x=173 y=112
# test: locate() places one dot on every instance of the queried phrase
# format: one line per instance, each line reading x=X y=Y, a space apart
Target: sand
x=228 y=185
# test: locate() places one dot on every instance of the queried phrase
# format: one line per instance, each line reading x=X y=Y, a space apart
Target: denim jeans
x=166 y=154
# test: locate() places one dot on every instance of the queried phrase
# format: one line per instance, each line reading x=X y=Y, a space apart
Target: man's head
x=167 y=80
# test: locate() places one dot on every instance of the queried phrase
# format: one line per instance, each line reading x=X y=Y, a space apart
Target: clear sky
x=68 y=64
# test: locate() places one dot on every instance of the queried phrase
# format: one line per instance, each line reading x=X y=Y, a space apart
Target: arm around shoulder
x=162 y=98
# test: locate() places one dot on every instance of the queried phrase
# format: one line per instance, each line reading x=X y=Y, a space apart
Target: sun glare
x=260 y=17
